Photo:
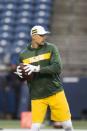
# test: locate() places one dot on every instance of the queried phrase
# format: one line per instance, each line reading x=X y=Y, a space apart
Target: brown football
x=25 y=74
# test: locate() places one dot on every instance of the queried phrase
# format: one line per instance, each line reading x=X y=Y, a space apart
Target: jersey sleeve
x=55 y=63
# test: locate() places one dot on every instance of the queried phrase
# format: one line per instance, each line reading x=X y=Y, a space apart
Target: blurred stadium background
x=67 y=21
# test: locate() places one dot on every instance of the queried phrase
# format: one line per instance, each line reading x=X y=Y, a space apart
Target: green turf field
x=16 y=124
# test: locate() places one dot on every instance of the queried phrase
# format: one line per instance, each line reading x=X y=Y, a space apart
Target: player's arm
x=55 y=63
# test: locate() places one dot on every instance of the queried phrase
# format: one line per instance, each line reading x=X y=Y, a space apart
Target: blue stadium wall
x=76 y=92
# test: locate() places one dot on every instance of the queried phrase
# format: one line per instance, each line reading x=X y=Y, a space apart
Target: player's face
x=39 y=39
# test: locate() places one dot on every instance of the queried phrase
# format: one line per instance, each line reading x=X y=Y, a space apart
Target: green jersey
x=47 y=81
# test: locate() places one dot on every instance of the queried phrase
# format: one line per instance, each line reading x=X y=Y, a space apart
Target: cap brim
x=44 y=33
x=47 y=32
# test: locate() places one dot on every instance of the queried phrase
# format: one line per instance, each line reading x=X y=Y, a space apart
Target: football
x=25 y=74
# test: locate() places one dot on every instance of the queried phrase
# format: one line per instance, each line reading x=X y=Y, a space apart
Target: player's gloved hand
x=31 y=68
x=18 y=72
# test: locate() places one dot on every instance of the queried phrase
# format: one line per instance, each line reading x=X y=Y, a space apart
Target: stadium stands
x=69 y=32
x=16 y=19
x=42 y=12
x=68 y=26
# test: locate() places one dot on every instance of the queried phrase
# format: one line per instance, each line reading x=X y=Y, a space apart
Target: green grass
x=16 y=124
x=82 y=124
x=9 y=124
